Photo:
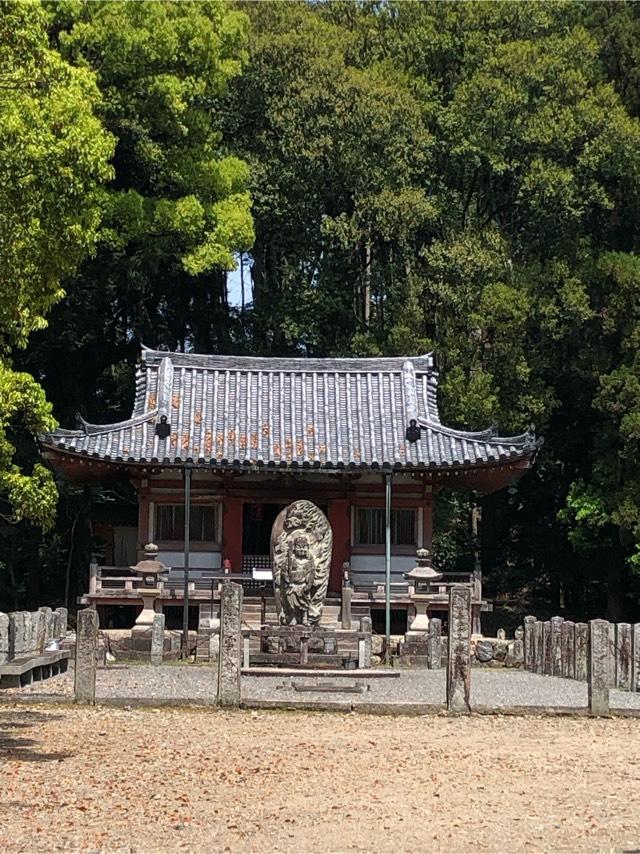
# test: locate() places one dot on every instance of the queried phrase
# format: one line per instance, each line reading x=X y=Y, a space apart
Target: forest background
x=391 y=178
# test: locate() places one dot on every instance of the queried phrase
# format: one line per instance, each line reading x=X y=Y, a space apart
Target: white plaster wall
x=369 y=569
x=197 y=560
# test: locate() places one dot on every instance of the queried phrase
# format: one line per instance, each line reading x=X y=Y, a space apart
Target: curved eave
x=519 y=460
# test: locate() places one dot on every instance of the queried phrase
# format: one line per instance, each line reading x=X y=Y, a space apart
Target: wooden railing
x=114 y=578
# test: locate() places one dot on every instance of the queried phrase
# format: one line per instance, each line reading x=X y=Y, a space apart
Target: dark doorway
x=257 y=521
x=398 y=621
x=117 y=616
x=174 y=614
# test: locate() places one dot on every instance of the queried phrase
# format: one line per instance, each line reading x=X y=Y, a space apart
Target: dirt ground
x=199 y=780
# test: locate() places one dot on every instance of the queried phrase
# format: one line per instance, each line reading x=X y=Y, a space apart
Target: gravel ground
x=495 y=689
x=142 y=780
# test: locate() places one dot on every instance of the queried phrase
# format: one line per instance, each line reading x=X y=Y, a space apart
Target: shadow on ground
x=16 y=742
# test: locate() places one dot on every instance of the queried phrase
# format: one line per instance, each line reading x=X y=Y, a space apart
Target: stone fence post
x=568 y=638
x=459 y=650
x=345 y=611
x=364 y=644
x=530 y=643
x=538 y=646
x=4 y=638
x=16 y=634
x=85 y=669
x=61 y=616
x=229 y=667
x=581 y=632
x=598 y=681
x=623 y=656
x=556 y=646
x=547 y=667
x=434 y=644
x=157 y=639
x=635 y=658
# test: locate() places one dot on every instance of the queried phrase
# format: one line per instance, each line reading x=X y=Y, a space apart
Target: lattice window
x=170 y=522
x=370 y=524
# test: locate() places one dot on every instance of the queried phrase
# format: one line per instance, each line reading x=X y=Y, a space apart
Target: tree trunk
x=615 y=575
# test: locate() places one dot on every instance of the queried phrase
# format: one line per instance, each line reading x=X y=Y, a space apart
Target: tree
x=177 y=210
x=456 y=176
x=336 y=154
x=54 y=154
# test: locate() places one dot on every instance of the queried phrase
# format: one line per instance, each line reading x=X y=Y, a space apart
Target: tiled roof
x=329 y=413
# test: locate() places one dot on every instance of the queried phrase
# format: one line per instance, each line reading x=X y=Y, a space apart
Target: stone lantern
x=422 y=576
x=149 y=571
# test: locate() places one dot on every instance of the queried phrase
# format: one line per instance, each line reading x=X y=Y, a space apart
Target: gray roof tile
x=238 y=410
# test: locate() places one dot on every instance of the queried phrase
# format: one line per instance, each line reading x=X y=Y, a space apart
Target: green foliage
x=54 y=154
x=160 y=67
x=585 y=510
x=23 y=404
x=459 y=177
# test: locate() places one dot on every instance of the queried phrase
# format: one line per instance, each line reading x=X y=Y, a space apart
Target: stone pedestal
x=144 y=620
x=420 y=623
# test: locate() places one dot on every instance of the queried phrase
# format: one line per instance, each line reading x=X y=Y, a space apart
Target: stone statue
x=301 y=543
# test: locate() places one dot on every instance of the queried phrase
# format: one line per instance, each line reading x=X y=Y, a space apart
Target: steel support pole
x=387 y=564
x=187 y=549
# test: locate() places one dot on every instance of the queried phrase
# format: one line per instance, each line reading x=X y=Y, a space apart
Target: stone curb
x=384 y=708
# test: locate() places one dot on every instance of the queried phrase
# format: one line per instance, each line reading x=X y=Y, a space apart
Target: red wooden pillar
x=339 y=513
x=427 y=524
x=232 y=532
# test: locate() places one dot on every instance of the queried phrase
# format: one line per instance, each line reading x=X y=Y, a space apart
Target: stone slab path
x=493 y=689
